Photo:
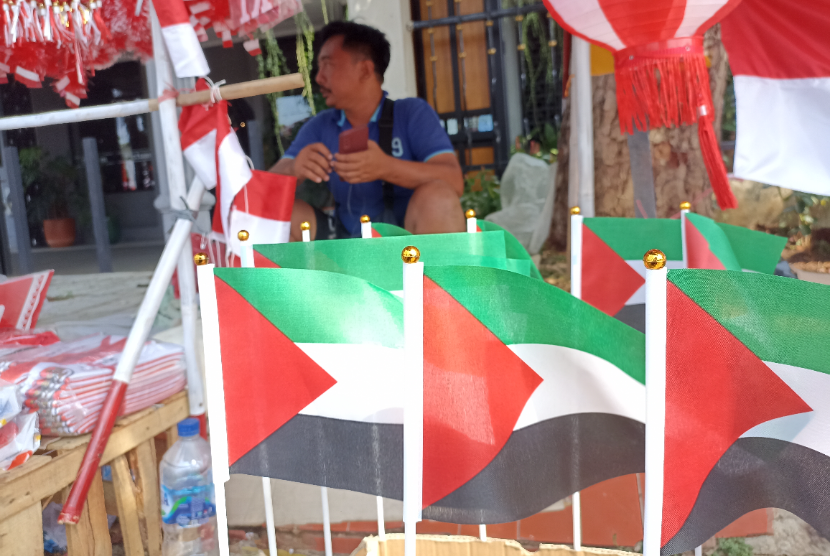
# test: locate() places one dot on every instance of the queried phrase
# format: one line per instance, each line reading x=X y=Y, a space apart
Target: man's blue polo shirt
x=417 y=135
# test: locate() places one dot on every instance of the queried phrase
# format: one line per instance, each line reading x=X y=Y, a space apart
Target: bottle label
x=187 y=507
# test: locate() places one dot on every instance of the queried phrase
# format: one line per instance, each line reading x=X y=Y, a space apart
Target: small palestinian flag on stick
x=515 y=250
x=712 y=245
x=606 y=261
x=370 y=229
x=738 y=380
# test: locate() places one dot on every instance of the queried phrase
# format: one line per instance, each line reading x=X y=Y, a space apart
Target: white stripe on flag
x=234 y=173
x=783 y=127
x=185 y=50
x=201 y=155
x=639 y=296
x=261 y=230
x=574 y=381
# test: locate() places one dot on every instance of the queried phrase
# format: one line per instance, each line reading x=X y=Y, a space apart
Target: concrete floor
x=81 y=259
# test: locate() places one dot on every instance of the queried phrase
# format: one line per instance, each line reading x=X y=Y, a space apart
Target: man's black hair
x=362 y=39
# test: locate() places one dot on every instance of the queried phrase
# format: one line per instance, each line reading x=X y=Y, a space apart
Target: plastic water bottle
x=188 y=506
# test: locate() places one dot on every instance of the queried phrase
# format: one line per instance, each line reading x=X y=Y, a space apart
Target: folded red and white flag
x=780 y=57
x=181 y=40
x=21 y=299
x=263 y=209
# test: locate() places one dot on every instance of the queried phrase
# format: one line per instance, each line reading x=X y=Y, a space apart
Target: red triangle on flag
x=475 y=388
x=698 y=253
x=716 y=390
x=267 y=378
x=607 y=280
x=261 y=261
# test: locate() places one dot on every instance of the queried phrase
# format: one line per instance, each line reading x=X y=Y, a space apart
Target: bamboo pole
x=131 y=108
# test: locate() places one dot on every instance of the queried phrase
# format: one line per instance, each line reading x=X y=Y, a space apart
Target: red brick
x=611 y=513
x=428 y=527
x=310 y=527
x=752 y=524
x=553 y=527
x=363 y=526
x=503 y=530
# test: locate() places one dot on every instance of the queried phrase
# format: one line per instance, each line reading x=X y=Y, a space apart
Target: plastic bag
x=11 y=402
x=19 y=439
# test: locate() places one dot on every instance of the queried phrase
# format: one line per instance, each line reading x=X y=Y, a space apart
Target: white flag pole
x=215 y=394
x=413 y=416
x=655 y=262
x=381 y=520
x=324 y=492
x=684 y=210
x=472 y=221
x=365 y=227
x=247 y=261
x=576 y=291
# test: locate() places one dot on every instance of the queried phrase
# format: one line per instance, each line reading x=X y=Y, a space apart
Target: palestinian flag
x=515 y=250
x=747 y=404
x=379 y=229
x=717 y=246
x=379 y=261
x=318 y=401
x=613 y=275
x=529 y=395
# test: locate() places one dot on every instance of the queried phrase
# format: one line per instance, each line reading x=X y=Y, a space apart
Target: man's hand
x=313 y=163
x=362 y=167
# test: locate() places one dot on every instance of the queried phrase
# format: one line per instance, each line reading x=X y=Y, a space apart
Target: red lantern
x=660 y=67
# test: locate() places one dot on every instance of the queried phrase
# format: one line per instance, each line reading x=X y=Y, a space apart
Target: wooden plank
x=20 y=490
x=172 y=435
x=22 y=534
x=91 y=536
x=148 y=500
x=125 y=494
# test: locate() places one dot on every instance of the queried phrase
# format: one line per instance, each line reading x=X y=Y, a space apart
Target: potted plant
x=52 y=195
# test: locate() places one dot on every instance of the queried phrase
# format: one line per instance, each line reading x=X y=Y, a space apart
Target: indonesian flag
x=746 y=404
x=378 y=260
x=263 y=209
x=180 y=39
x=516 y=372
x=712 y=245
x=252 y=47
x=780 y=57
x=21 y=299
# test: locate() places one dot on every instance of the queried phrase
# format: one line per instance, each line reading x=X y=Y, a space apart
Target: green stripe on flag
x=781 y=320
x=379 y=260
x=755 y=250
x=719 y=244
x=630 y=238
x=515 y=250
x=389 y=230
x=520 y=310
x=320 y=307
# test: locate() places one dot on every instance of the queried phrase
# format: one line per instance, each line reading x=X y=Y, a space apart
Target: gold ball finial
x=654 y=259
x=365 y=219
x=200 y=259
x=685 y=205
x=243 y=235
x=410 y=254
x=470 y=213
x=305 y=226
x=575 y=210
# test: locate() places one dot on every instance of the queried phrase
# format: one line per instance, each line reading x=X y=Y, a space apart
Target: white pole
x=482 y=532
x=655 y=399
x=215 y=398
x=684 y=210
x=576 y=291
x=699 y=551
x=413 y=417
x=381 y=521
x=247 y=261
x=583 y=125
x=114 y=110
x=365 y=227
x=472 y=221
x=324 y=496
x=177 y=187
x=305 y=229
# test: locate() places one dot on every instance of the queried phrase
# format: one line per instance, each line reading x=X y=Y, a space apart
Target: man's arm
x=373 y=164
x=284 y=166
x=313 y=162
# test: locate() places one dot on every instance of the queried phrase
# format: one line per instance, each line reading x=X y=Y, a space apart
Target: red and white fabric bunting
x=21 y=299
x=181 y=40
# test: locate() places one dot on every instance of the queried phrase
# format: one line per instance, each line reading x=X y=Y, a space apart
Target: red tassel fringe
x=666 y=84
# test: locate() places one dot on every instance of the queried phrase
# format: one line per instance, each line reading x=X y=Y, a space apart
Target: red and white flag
x=21 y=299
x=263 y=209
x=181 y=40
x=780 y=57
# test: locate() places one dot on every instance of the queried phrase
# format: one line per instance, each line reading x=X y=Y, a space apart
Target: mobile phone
x=354 y=140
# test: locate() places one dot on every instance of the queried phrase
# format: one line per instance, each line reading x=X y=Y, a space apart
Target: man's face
x=341 y=74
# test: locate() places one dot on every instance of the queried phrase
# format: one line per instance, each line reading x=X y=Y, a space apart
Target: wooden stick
x=133 y=107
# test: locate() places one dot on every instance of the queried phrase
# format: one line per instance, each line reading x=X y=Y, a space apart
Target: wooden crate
x=131 y=453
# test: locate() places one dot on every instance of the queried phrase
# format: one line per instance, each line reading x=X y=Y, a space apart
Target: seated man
x=422 y=165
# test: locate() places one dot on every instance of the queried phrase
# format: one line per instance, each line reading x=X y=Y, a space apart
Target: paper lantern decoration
x=660 y=67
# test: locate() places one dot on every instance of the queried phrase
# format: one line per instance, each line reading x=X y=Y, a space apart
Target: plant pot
x=59 y=232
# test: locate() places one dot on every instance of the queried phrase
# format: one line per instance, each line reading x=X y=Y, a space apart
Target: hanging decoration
x=660 y=67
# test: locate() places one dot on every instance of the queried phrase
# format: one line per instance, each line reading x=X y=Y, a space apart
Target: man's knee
x=434 y=208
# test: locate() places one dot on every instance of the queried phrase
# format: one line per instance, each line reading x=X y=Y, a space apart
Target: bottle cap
x=188 y=427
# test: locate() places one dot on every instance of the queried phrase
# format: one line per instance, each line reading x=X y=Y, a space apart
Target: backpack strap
x=385 y=124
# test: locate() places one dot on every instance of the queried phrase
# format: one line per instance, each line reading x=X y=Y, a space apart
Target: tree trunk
x=679 y=172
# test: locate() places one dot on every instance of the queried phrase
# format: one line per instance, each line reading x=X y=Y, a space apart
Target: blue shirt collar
x=342 y=119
